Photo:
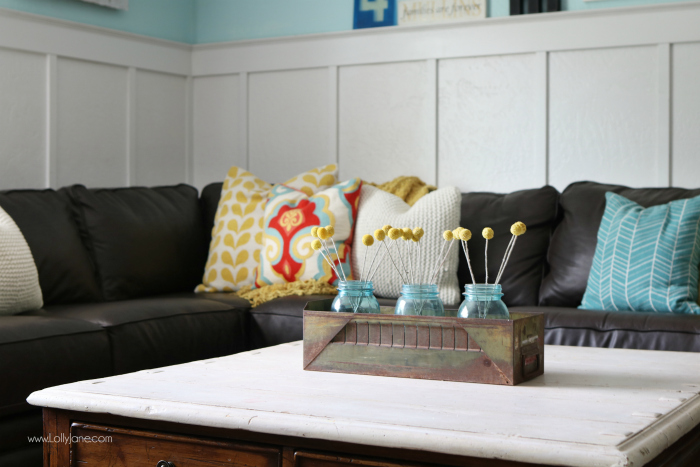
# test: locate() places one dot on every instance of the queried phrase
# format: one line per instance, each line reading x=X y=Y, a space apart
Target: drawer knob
x=165 y=464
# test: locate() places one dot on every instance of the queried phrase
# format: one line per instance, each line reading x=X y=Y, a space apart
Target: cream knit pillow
x=435 y=212
x=19 y=279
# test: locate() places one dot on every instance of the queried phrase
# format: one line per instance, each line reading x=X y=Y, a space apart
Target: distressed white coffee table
x=592 y=407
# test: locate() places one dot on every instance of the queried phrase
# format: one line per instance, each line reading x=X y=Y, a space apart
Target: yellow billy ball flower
x=316 y=244
x=330 y=230
x=380 y=235
x=487 y=233
x=322 y=233
x=465 y=235
x=407 y=233
x=415 y=239
x=455 y=232
x=394 y=233
x=386 y=229
x=418 y=233
x=518 y=229
x=313 y=232
x=368 y=240
x=447 y=235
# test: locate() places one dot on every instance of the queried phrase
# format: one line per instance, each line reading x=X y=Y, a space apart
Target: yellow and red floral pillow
x=290 y=214
x=237 y=235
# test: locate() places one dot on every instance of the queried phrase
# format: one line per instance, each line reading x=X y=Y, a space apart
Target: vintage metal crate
x=493 y=351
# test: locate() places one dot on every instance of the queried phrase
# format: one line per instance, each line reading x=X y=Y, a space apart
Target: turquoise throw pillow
x=646 y=259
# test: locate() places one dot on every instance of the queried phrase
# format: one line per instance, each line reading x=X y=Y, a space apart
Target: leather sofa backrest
x=522 y=277
x=66 y=273
x=574 y=241
x=209 y=200
x=143 y=241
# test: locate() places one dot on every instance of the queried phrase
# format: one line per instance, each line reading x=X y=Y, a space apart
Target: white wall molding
x=41 y=34
x=497 y=105
x=243 y=118
x=51 y=119
x=645 y=25
x=504 y=104
x=542 y=113
x=333 y=155
x=91 y=105
x=131 y=126
x=664 y=115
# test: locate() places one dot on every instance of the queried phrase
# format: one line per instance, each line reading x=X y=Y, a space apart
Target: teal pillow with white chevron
x=646 y=259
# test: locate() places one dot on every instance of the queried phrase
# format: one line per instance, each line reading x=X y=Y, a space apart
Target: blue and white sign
x=374 y=13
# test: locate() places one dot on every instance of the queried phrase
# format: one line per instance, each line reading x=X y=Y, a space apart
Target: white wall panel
x=287 y=123
x=160 y=129
x=91 y=126
x=603 y=117
x=216 y=120
x=22 y=120
x=686 y=115
x=487 y=131
x=387 y=121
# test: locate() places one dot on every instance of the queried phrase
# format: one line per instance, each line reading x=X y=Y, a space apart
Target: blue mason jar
x=483 y=301
x=420 y=300
x=355 y=297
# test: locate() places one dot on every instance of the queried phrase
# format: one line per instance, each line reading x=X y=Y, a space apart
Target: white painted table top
x=592 y=407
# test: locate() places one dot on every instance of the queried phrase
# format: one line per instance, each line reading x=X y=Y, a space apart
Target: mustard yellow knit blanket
x=270 y=292
x=409 y=189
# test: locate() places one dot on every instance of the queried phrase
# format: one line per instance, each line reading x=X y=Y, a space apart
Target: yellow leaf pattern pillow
x=237 y=235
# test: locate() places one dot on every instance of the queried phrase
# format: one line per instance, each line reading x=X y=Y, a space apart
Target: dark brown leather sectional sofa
x=117 y=268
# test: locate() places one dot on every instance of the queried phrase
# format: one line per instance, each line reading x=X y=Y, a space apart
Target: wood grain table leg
x=56 y=438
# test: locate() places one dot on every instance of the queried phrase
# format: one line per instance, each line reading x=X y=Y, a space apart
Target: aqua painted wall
x=205 y=21
x=165 y=19
x=231 y=20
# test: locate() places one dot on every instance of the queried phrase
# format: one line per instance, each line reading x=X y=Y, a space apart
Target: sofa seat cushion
x=282 y=320
x=222 y=297
x=15 y=431
x=574 y=241
x=522 y=277
x=166 y=330
x=66 y=274
x=41 y=351
x=620 y=329
x=143 y=241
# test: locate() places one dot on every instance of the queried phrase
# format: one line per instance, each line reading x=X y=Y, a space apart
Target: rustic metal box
x=450 y=349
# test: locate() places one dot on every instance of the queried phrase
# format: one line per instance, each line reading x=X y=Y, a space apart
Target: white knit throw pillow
x=19 y=279
x=435 y=212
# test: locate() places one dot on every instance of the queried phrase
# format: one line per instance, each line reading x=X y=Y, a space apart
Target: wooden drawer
x=134 y=448
x=319 y=459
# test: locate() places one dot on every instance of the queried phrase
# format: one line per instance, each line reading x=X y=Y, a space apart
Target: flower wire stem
x=437 y=272
x=465 y=247
x=506 y=259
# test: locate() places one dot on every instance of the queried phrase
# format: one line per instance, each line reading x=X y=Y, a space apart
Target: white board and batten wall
x=496 y=105
x=81 y=104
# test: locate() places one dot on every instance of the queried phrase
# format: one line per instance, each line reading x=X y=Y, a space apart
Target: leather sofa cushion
x=166 y=330
x=522 y=278
x=41 y=351
x=66 y=274
x=15 y=429
x=619 y=329
x=144 y=241
x=574 y=241
x=26 y=456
